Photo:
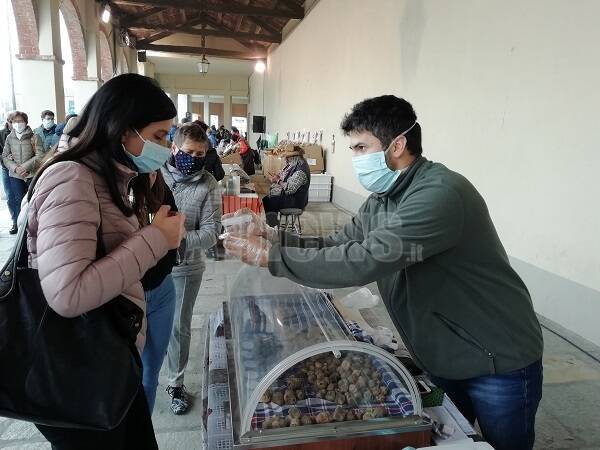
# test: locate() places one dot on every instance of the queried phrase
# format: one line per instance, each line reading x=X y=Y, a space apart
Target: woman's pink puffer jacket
x=63 y=219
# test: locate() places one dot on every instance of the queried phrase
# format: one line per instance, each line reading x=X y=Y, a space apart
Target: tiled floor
x=568 y=416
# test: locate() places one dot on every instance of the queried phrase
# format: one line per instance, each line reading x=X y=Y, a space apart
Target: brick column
x=39 y=77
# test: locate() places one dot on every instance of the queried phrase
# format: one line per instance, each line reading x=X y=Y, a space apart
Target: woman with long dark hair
x=82 y=195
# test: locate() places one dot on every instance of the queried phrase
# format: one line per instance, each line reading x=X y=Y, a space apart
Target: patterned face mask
x=188 y=164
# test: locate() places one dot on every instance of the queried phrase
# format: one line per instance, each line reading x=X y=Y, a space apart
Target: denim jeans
x=187 y=288
x=504 y=405
x=160 y=309
x=15 y=190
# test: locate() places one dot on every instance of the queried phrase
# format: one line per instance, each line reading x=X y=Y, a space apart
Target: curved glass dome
x=297 y=364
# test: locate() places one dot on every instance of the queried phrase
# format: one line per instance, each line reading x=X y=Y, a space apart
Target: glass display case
x=297 y=375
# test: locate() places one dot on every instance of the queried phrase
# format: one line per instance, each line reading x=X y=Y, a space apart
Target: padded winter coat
x=70 y=202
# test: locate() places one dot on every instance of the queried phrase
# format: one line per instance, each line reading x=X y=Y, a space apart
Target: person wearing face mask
x=289 y=188
x=83 y=195
x=426 y=237
x=197 y=195
x=47 y=131
x=212 y=162
x=6 y=184
x=21 y=156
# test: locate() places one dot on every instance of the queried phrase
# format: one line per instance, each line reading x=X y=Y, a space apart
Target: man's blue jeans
x=504 y=405
x=160 y=309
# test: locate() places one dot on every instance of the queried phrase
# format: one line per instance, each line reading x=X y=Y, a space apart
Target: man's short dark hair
x=386 y=117
x=47 y=112
x=190 y=131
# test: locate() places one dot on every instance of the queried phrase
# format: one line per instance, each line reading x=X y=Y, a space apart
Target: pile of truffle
x=295 y=418
x=350 y=382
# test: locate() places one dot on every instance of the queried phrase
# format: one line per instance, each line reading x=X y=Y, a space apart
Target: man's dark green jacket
x=431 y=246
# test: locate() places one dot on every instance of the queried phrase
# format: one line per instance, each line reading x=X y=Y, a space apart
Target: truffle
x=339 y=415
x=277 y=398
x=300 y=394
x=294 y=412
x=323 y=417
x=266 y=397
x=306 y=420
x=295 y=422
x=330 y=396
x=369 y=414
x=289 y=397
x=380 y=411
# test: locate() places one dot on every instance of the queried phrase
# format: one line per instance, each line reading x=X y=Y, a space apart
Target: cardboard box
x=233 y=158
x=261 y=185
x=272 y=164
x=313 y=154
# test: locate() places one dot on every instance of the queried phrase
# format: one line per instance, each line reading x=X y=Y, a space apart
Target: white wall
x=506 y=93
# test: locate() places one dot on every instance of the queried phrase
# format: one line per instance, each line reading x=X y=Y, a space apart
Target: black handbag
x=82 y=372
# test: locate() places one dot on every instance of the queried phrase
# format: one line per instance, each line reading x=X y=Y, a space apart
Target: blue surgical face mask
x=372 y=170
x=152 y=158
x=188 y=164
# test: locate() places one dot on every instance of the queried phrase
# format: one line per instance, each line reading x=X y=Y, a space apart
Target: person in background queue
x=6 y=185
x=426 y=237
x=21 y=155
x=212 y=162
x=198 y=196
x=47 y=131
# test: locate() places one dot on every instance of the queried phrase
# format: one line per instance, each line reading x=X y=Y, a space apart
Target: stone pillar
x=206 y=102
x=86 y=86
x=39 y=79
x=146 y=69
x=182 y=105
x=227 y=110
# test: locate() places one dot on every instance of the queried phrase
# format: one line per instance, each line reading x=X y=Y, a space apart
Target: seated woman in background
x=289 y=188
x=247 y=155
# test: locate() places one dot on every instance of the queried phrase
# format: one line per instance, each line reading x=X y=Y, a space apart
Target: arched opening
x=71 y=28
x=65 y=47
x=24 y=15
x=106 y=59
x=10 y=45
x=123 y=64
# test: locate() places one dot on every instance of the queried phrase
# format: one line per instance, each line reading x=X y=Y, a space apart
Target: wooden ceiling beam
x=164 y=34
x=228 y=7
x=264 y=25
x=187 y=50
x=238 y=35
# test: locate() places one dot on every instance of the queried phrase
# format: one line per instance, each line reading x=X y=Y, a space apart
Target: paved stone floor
x=568 y=417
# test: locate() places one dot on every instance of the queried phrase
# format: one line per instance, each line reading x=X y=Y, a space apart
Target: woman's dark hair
x=146 y=198
x=385 y=117
x=126 y=102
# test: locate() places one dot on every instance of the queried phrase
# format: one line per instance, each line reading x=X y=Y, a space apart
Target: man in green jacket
x=426 y=237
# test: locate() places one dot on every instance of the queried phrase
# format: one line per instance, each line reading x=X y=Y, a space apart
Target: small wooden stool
x=284 y=219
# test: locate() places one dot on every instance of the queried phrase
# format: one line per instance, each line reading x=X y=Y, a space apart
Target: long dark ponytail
x=126 y=102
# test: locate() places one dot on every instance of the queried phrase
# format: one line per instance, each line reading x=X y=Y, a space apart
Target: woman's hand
x=172 y=225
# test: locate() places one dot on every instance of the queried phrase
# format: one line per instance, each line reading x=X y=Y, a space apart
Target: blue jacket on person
x=48 y=137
